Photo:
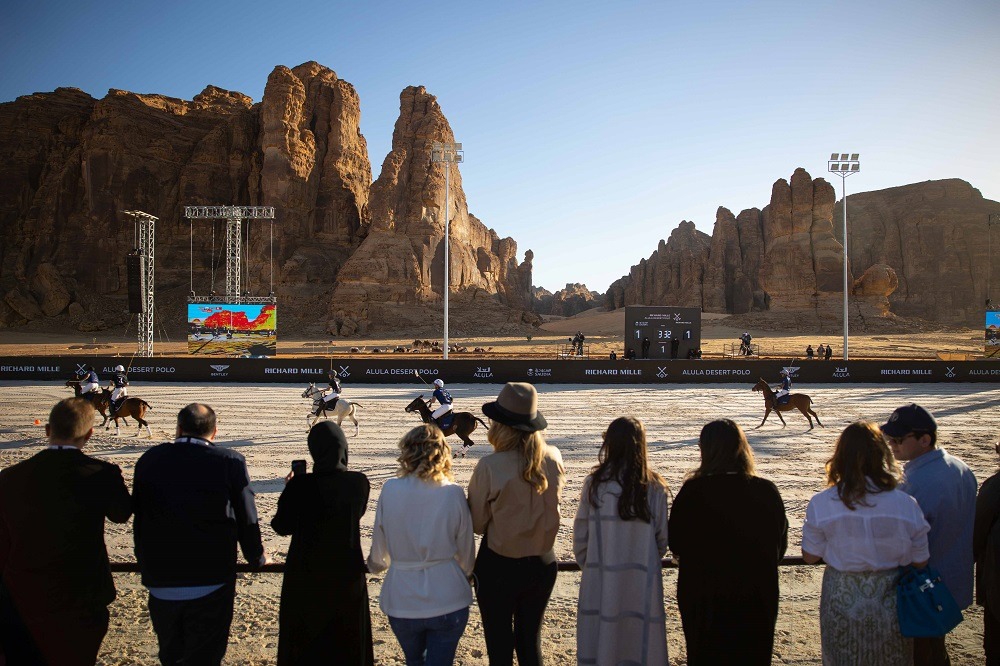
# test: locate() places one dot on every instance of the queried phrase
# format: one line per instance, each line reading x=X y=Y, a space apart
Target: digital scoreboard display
x=662 y=332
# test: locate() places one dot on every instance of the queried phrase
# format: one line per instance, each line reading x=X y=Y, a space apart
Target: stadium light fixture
x=446 y=153
x=844 y=165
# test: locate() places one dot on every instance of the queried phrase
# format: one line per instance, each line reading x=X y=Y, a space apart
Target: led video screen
x=224 y=329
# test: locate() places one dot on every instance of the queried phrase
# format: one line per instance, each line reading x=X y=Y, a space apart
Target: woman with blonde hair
x=729 y=531
x=423 y=535
x=514 y=497
x=619 y=538
x=864 y=528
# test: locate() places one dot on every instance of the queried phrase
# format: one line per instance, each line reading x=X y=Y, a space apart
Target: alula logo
x=483 y=373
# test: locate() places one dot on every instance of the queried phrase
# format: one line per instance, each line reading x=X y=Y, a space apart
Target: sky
x=590 y=129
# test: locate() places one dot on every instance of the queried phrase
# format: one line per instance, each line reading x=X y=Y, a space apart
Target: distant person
x=781 y=395
x=90 y=384
x=514 y=498
x=820 y=351
x=986 y=549
x=829 y=352
x=810 y=354
x=945 y=488
x=619 y=538
x=119 y=388
x=193 y=505
x=324 y=593
x=423 y=536
x=675 y=346
x=864 y=528
x=630 y=354
x=444 y=400
x=728 y=531
x=56 y=580
x=579 y=344
x=645 y=347
x=332 y=392
x=613 y=356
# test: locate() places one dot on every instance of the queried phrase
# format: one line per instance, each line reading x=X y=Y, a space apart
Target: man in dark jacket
x=56 y=579
x=193 y=504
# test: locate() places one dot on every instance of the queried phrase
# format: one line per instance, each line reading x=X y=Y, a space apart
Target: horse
x=799 y=401
x=343 y=409
x=134 y=407
x=463 y=424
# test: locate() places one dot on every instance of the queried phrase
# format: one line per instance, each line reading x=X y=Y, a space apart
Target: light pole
x=447 y=153
x=844 y=165
x=993 y=217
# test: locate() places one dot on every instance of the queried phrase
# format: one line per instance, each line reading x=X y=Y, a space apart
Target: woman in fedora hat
x=514 y=498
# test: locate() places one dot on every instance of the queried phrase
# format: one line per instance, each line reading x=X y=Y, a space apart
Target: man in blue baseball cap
x=945 y=488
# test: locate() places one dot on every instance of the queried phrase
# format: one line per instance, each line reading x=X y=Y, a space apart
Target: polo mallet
x=417 y=373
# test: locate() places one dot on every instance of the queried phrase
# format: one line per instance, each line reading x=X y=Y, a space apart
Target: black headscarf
x=328 y=447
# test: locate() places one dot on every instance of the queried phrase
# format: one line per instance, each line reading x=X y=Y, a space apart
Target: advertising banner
x=195 y=369
x=992 y=347
x=224 y=329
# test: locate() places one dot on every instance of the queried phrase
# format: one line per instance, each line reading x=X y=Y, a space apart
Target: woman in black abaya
x=324 y=596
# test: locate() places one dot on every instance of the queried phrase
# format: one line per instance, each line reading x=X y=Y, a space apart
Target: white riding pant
x=330 y=396
x=88 y=387
x=119 y=392
x=780 y=394
x=442 y=410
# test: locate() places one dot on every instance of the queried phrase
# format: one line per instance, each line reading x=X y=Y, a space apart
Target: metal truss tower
x=234 y=216
x=145 y=241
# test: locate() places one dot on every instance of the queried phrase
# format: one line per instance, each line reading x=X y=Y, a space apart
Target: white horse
x=343 y=409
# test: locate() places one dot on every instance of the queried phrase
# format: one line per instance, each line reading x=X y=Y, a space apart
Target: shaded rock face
x=70 y=164
x=401 y=261
x=575 y=298
x=919 y=248
x=673 y=274
x=935 y=236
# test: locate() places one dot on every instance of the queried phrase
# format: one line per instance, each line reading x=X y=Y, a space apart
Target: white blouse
x=889 y=532
x=423 y=535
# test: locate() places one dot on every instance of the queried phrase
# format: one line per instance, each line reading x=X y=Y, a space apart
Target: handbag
x=924 y=605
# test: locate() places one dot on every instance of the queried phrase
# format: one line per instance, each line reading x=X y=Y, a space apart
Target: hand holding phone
x=298 y=467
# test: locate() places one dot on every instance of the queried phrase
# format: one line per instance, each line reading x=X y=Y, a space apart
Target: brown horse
x=799 y=401
x=463 y=424
x=130 y=407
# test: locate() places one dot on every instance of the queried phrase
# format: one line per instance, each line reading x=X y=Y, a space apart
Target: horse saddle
x=116 y=405
x=783 y=400
x=445 y=420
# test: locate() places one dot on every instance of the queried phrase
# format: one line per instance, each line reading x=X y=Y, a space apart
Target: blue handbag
x=924 y=605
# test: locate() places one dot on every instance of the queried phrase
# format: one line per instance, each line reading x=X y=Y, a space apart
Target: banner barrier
x=462 y=371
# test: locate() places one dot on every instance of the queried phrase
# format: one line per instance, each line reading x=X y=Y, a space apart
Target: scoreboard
x=662 y=332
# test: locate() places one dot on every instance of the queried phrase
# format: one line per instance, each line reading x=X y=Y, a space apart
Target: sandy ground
x=267 y=425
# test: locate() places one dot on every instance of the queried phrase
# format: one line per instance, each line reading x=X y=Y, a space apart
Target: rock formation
x=575 y=298
x=788 y=257
x=70 y=164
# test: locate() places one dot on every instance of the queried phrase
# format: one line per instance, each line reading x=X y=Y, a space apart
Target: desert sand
x=267 y=424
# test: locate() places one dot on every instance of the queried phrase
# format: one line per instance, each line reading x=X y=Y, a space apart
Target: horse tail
x=356 y=404
x=481 y=421
x=148 y=406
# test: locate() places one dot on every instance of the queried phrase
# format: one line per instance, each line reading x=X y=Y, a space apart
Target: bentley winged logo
x=219 y=368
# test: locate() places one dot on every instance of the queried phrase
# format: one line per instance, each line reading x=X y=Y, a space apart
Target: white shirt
x=889 y=532
x=423 y=535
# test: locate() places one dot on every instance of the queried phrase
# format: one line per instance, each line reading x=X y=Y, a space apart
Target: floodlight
x=854 y=157
x=855 y=167
x=844 y=156
x=835 y=156
x=844 y=165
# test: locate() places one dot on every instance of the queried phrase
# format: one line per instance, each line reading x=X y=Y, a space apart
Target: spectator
x=619 y=537
x=729 y=532
x=810 y=354
x=613 y=355
x=193 y=504
x=645 y=347
x=514 y=497
x=423 y=535
x=630 y=354
x=829 y=352
x=986 y=548
x=324 y=594
x=56 y=580
x=864 y=528
x=820 y=351
x=946 y=491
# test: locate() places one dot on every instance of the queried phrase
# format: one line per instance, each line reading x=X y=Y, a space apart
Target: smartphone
x=298 y=467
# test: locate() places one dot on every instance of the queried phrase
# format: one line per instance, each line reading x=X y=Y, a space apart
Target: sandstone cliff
x=919 y=250
x=575 y=298
x=70 y=164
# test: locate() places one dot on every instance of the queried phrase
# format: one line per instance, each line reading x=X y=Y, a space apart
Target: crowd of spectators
x=726 y=527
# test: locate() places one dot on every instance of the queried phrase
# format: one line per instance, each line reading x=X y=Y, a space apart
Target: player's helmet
x=784 y=373
x=119 y=368
x=332 y=374
x=439 y=383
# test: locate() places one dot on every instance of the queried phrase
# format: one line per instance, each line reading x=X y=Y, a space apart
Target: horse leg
x=117 y=431
x=467 y=444
x=816 y=416
x=354 y=418
x=778 y=412
x=767 y=412
x=805 y=413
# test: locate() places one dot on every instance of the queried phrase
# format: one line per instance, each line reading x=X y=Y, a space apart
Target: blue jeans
x=430 y=641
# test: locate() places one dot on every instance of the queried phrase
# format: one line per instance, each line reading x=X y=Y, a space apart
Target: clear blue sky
x=590 y=128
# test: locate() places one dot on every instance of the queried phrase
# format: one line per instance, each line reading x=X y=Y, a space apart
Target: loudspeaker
x=135 y=267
